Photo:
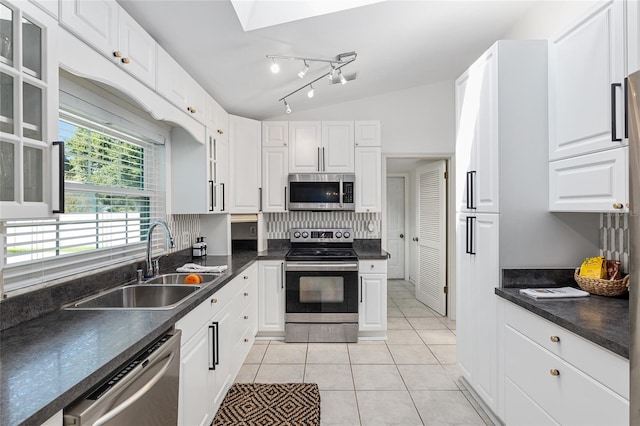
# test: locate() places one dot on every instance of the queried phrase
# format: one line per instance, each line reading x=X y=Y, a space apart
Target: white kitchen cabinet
x=367 y=133
x=246 y=176
x=477 y=276
x=563 y=376
x=224 y=357
x=316 y=146
x=199 y=173
x=179 y=88
x=271 y=298
x=372 y=294
x=585 y=61
x=275 y=134
x=275 y=170
x=596 y=182
x=477 y=145
x=109 y=29
x=245 y=310
x=368 y=168
x=55 y=420
x=337 y=147
x=30 y=176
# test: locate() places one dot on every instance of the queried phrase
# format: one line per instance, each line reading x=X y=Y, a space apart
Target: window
x=113 y=191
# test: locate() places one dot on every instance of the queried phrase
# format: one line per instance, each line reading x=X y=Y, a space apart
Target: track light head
x=287 y=108
x=332 y=74
x=343 y=80
x=304 y=70
x=275 y=68
x=311 y=91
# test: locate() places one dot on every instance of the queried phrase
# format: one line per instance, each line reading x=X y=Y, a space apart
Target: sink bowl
x=140 y=296
x=179 y=278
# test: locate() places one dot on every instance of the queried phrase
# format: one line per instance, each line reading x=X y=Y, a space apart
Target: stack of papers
x=553 y=293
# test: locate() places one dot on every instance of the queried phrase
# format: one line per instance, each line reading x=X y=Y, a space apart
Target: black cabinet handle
x=285 y=197
x=471 y=183
x=281 y=274
x=259 y=199
x=361 y=289
x=211 y=205
x=212 y=358
x=60 y=208
x=614 y=136
x=468 y=190
x=471 y=225
x=324 y=167
x=318 y=158
x=222 y=196
x=215 y=326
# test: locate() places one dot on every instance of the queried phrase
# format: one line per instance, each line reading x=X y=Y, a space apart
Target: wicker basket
x=602 y=287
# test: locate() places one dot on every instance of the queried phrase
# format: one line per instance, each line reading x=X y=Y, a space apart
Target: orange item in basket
x=192 y=279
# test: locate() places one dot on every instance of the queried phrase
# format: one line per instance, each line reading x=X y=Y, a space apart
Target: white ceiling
x=400 y=44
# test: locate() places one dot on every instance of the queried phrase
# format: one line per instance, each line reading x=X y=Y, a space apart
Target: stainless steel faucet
x=153 y=267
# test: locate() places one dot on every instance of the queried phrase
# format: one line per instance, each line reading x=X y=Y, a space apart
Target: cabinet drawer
x=372 y=266
x=246 y=295
x=190 y=323
x=521 y=410
x=606 y=367
x=570 y=397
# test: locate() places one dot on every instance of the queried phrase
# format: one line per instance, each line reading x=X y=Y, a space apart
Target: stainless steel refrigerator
x=633 y=123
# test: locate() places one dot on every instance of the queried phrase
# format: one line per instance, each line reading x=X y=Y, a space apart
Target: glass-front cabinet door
x=28 y=111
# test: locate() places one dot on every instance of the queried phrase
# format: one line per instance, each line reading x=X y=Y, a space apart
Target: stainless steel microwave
x=321 y=191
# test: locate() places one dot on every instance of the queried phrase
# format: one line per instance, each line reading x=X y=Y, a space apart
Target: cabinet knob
x=246 y=317
x=618 y=205
x=415 y=239
x=554 y=372
x=246 y=294
x=372 y=266
x=214 y=301
x=219 y=131
x=555 y=339
x=246 y=277
x=125 y=60
x=117 y=54
x=285 y=144
x=246 y=340
x=401 y=235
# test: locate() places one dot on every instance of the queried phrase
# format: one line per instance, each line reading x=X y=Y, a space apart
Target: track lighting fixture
x=275 y=68
x=304 y=70
x=343 y=80
x=334 y=74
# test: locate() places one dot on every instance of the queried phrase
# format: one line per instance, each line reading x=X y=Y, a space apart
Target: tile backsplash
x=614 y=238
x=278 y=224
x=185 y=228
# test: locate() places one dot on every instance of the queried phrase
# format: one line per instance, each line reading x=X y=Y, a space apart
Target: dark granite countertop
x=371 y=254
x=599 y=319
x=50 y=361
x=362 y=253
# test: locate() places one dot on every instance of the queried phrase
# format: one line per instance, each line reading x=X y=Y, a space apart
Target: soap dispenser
x=197 y=248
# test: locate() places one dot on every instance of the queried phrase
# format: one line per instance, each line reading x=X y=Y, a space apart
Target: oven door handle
x=321 y=266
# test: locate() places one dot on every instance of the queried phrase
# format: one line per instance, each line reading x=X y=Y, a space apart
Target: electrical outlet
x=185 y=239
x=252 y=230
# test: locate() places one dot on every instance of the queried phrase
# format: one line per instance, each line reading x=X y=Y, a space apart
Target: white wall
x=419 y=120
x=547 y=18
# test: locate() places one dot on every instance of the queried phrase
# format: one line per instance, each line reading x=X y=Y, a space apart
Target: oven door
x=319 y=287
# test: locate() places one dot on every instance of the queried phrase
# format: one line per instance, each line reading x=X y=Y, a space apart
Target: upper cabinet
x=368 y=179
x=316 y=146
x=588 y=62
x=367 y=133
x=275 y=134
x=586 y=76
x=113 y=32
x=30 y=173
x=477 y=136
x=244 y=140
x=275 y=165
x=179 y=88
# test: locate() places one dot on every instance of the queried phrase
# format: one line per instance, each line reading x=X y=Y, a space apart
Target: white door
x=395 y=227
x=432 y=244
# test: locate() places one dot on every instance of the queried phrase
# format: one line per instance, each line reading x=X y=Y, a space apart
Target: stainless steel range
x=321 y=286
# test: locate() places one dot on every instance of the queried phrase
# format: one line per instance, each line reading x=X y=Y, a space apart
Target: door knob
x=401 y=235
x=415 y=239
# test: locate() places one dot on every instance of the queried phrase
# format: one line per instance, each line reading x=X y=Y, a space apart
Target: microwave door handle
x=341 y=191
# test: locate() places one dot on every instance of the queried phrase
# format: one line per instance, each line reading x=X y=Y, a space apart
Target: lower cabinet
x=372 y=296
x=210 y=354
x=552 y=376
x=271 y=298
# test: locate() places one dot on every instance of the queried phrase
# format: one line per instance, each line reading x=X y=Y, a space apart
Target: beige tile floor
x=411 y=379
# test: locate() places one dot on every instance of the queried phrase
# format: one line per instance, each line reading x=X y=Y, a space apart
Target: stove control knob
x=305 y=234
x=296 y=234
x=338 y=234
x=347 y=234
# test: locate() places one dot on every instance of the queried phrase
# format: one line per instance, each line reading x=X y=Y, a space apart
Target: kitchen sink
x=139 y=296
x=179 y=278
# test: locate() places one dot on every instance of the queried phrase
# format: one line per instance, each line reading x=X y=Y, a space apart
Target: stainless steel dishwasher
x=142 y=392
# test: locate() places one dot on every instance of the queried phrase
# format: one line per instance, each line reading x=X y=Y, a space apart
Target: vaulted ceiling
x=399 y=44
